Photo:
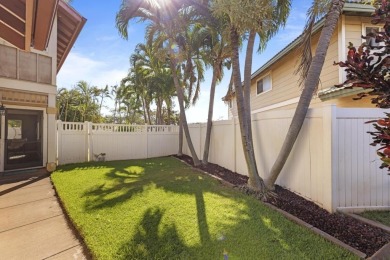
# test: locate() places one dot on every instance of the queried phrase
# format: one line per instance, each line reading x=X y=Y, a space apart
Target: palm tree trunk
x=169 y=112
x=254 y=182
x=144 y=110
x=310 y=87
x=66 y=110
x=205 y=159
x=180 y=152
x=183 y=119
x=247 y=81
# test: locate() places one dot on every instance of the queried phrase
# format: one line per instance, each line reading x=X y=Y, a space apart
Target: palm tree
x=89 y=99
x=167 y=19
x=249 y=18
x=103 y=93
x=217 y=53
x=311 y=77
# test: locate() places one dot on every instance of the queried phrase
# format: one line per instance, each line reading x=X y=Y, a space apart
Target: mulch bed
x=359 y=235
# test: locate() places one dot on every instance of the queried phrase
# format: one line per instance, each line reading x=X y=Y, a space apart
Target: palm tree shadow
x=99 y=196
x=172 y=177
x=150 y=243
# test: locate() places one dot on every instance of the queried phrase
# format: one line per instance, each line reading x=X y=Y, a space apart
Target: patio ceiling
x=28 y=23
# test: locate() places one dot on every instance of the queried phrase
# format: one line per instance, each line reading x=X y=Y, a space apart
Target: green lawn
x=378 y=216
x=162 y=209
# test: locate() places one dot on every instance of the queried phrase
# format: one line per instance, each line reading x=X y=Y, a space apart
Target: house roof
x=350 y=8
x=28 y=23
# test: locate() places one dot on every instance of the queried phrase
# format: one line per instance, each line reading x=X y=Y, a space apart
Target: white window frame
x=270 y=78
x=364 y=28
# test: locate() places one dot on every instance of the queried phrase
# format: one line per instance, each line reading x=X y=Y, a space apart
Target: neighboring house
x=35 y=39
x=275 y=85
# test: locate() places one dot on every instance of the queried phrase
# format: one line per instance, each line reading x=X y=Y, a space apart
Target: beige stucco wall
x=285 y=89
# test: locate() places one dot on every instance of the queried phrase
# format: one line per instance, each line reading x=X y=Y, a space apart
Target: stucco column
x=51 y=133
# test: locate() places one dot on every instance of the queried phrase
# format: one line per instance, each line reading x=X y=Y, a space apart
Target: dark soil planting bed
x=363 y=237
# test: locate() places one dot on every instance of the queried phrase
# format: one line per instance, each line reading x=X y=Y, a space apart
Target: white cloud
x=96 y=72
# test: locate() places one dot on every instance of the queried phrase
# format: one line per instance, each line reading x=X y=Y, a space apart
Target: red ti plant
x=382 y=137
x=368 y=67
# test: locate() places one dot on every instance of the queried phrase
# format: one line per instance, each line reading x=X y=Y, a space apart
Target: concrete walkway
x=32 y=223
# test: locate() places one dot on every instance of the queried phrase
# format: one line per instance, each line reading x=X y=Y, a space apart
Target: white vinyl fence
x=331 y=163
x=81 y=142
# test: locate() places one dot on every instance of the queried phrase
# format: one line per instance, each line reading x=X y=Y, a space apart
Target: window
x=264 y=85
x=14 y=129
x=370 y=31
x=230 y=103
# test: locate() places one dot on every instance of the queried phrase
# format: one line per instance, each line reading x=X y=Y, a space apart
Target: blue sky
x=100 y=56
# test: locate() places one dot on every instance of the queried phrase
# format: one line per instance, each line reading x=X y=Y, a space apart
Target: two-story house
x=35 y=39
x=275 y=84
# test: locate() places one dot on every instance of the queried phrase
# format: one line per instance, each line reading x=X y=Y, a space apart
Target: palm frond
x=317 y=11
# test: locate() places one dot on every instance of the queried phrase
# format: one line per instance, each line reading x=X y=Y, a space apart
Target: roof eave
x=333 y=92
x=348 y=7
x=77 y=18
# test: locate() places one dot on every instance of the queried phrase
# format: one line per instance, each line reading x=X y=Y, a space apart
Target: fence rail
x=82 y=142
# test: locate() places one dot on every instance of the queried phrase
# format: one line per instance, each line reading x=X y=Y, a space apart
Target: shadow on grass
x=252 y=232
x=126 y=180
x=149 y=243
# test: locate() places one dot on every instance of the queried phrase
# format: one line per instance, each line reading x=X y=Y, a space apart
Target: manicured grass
x=378 y=216
x=162 y=209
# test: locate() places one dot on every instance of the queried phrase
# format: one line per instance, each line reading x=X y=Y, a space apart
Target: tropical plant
x=169 y=19
x=248 y=18
x=311 y=70
x=79 y=104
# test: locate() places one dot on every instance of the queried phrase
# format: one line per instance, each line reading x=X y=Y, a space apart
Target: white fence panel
x=82 y=142
x=222 y=144
x=303 y=170
x=162 y=141
x=360 y=182
x=72 y=142
x=119 y=142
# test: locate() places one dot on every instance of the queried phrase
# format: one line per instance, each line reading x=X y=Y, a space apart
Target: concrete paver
x=72 y=253
x=38 y=240
x=31 y=182
x=20 y=215
x=32 y=223
x=25 y=195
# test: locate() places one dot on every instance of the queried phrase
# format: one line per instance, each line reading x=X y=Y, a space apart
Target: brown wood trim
x=11 y=36
x=70 y=13
x=45 y=15
x=11 y=20
x=29 y=24
x=16 y=7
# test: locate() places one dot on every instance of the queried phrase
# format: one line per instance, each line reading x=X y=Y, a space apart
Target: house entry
x=23 y=139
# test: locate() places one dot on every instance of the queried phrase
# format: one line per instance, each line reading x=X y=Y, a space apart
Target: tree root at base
x=265 y=194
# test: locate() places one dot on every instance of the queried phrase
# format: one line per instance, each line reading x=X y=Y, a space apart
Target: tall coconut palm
x=249 y=18
x=217 y=53
x=311 y=77
x=103 y=93
x=165 y=16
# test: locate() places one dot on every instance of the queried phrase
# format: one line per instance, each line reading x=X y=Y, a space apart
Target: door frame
x=44 y=135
